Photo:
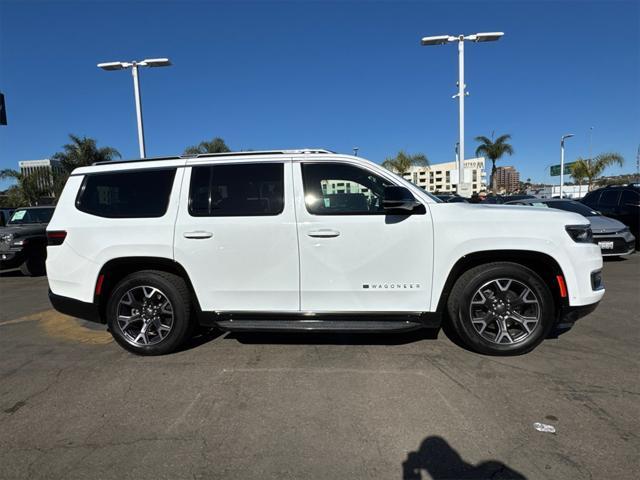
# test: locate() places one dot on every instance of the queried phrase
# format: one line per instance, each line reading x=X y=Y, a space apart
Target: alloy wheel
x=505 y=311
x=145 y=316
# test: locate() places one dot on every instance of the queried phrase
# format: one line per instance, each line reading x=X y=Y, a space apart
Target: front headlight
x=6 y=238
x=580 y=233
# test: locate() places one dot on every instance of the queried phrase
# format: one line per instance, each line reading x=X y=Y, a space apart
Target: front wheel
x=501 y=308
x=148 y=312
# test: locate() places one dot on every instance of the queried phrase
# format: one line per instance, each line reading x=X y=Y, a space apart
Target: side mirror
x=399 y=200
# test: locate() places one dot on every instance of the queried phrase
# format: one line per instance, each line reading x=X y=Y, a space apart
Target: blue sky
x=333 y=74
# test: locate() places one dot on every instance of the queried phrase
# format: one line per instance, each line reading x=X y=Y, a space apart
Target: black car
x=23 y=241
x=5 y=215
x=621 y=202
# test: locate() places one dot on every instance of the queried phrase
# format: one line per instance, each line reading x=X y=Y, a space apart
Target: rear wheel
x=33 y=266
x=501 y=308
x=148 y=312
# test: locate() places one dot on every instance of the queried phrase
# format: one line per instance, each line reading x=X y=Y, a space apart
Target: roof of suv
x=183 y=160
x=223 y=154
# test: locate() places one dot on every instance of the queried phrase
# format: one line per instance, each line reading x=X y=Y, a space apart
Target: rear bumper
x=75 y=308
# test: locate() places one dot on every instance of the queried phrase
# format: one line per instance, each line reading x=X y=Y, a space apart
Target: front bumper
x=617 y=244
x=76 y=308
x=11 y=259
x=570 y=315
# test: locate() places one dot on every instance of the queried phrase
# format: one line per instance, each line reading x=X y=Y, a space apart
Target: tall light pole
x=441 y=40
x=569 y=135
x=149 y=62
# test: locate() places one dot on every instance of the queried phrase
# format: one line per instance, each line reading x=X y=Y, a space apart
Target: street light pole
x=562 y=162
x=136 y=92
x=149 y=62
x=441 y=40
x=461 y=94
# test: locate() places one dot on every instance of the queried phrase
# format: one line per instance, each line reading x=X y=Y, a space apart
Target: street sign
x=555 y=169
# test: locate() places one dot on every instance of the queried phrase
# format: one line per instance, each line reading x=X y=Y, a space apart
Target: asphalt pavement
x=74 y=405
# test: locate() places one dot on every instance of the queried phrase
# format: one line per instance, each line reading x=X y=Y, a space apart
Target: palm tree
x=83 y=151
x=493 y=150
x=216 y=145
x=579 y=173
x=403 y=162
x=29 y=188
x=591 y=169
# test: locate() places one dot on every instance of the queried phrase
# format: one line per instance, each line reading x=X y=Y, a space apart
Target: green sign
x=555 y=169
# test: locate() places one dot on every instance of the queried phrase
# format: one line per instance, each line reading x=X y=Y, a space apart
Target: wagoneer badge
x=391 y=286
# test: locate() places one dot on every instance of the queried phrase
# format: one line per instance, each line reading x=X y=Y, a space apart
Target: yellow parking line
x=61 y=326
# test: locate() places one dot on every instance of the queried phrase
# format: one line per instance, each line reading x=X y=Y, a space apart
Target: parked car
x=308 y=240
x=621 y=202
x=5 y=215
x=451 y=198
x=513 y=198
x=23 y=241
x=493 y=199
x=613 y=237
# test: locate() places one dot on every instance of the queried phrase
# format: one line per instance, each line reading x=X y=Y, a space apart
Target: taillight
x=56 y=237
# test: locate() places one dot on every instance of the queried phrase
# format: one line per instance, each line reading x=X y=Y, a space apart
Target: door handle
x=198 y=234
x=325 y=233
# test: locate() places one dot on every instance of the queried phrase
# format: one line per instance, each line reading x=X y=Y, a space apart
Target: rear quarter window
x=138 y=194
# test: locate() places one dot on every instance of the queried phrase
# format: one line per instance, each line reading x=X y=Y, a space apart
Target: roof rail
x=223 y=154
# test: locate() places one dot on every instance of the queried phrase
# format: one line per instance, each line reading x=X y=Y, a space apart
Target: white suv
x=308 y=240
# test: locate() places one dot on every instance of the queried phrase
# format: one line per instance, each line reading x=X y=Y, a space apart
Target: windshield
x=574 y=207
x=25 y=216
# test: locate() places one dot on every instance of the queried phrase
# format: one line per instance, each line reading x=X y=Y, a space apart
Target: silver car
x=613 y=236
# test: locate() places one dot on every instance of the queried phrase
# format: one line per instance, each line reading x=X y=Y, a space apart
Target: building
x=507 y=179
x=43 y=170
x=441 y=177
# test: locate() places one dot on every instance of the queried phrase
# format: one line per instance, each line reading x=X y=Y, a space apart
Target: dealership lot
x=75 y=405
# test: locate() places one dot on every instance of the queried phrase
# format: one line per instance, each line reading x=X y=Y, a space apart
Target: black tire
x=174 y=289
x=33 y=266
x=459 y=308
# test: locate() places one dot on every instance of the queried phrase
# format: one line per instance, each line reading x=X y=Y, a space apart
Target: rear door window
x=137 y=194
x=591 y=199
x=237 y=190
x=609 y=199
x=630 y=198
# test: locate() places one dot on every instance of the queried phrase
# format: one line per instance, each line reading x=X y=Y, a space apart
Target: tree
x=403 y=162
x=591 y=169
x=216 y=145
x=29 y=188
x=493 y=150
x=83 y=151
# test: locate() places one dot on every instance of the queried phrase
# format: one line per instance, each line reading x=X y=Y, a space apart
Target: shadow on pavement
x=205 y=335
x=335 y=338
x=614 y=259
x=441 y=461
x=11 y=273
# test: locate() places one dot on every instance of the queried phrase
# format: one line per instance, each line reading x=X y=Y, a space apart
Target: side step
x=320 y=325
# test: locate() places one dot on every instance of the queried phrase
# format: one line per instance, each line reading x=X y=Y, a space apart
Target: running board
x=319 y=325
